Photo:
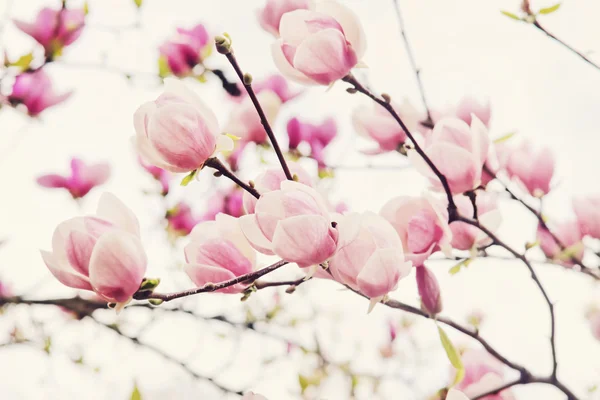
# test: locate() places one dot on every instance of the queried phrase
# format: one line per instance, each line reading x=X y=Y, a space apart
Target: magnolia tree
x=268 y=229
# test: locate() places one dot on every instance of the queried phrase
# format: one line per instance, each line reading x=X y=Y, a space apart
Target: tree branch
x=216 y=164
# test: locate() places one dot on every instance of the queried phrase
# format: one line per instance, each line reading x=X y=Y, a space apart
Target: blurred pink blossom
x=270 y=15
x=82 y=179
x=532 y=168
x=317 y=136
x=570 y=236
x=34 y=90
x=185 y=50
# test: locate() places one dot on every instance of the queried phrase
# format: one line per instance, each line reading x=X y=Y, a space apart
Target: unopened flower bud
x=429 y=290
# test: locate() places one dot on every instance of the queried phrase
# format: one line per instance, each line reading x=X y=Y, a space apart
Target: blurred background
x=319 y=342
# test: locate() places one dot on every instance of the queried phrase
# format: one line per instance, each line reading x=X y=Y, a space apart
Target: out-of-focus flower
x=185 y=50
x=570 y=236
x=177 y=131
x=320 y=45
x=458 y=151
x=101 y=253
x=594 y=320
x=464 y=110
x=253 y=396
x=160 y=175
x=317 y=136
x=292 y=222
x=82 y=179
x=34 y=90
x=531 y=168
x=369 y=256
x=270 y=15
x=421 y=223
x=5 y=290
x=54 y=29
x=244 y=121
x=482 y=373
x=218 y=252
x=468 y=237
x=226 y=202
x=429 y=291
x=180 y=219
x=274 y=83
x=377 y=124
x=587 y=210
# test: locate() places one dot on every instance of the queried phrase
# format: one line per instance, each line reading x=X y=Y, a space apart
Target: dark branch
x=215 y=163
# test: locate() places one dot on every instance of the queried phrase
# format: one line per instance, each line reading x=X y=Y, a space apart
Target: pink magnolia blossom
x=454 y=394
x=229 y=202
x=458 y=151
x=593 y=319
x=317 y=136
x=320 y=45
x=271 y=180
x=177 y=131
x=185 y=50
x=468 y=237
x=429 y=290
x=570 y=236
x=160 y=175
x=5 y=290
x=465 y=109
x=82 y=179
x=369 y=256
x=270 y=15
x=274 y=83
x=219 y=251
x=244 y=121
x=35 y=91
x=531 y=168
x=101 y=253
x=292 y=222
x=54 y=29
x=253 y=396
x=181 y=219
x=421 y=223
x=377 y=124
x=587 y=210
x=483 y=373
x=496 y=161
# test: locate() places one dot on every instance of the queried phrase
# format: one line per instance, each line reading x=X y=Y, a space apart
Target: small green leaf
x=550 y=10
x=304 y=382
x=200 y=78
x=456 y=269
x=206 y=52
x=511 y=15
x=86 y=8
x=23 y=62
x=138 y=3
x=135 y=394
x=163 y=67
x=188 y=178
x=453 y=356
x=47 y=345
x=504 y=138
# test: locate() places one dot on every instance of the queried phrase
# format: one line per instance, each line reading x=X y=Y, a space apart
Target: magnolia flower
x=454 y=394
x=218 y=251
x=317 y=136
x=587 y=210
x=177 y=131
x=185 y=50
x=34 y=90
x=101 y=253
x=292 y=222
x=54 y=29
x=229 y=203
x=270 y=15
x=244 y=121
x=82 y=179
x=532 y=169
x=160 y=175
x=468 y=237
x=377 y=124
x=271 y=180
x=181 y=220
x=274 y=83
x=570 y=236
x=421 y=223
x=483 y=373
x=369 y=256
x=320 y=45
x=465 y=109
x=429 y=291
x=458 y=151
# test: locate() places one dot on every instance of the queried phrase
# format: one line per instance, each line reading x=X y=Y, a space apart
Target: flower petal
x=112 y=209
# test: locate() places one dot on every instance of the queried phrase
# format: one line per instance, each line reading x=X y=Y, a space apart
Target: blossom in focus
x=270 y=15
x=177 y=131
x=369 y=256
x=320 y=45
x=531 y=168
x=101 y=253
x=483 y=373
x=271 y=180
x=377 y=124
x=218 y=251
x=429 y=290
x=570 y=236
x=160 y=175
x=317 y=136
x=82 y=179
x=292 y=222
x=587 y=210
x=54 y=29
x=458 y=151
x=465 y=109
x=468 y=237
x=421 y=223
x=34 y=90
x=185 y=50
x=244 y=121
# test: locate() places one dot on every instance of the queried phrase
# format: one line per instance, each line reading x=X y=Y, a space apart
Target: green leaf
x=163 y=67
x=135 y=394
x=456 y=269
x=511 y=15
x=453 y=356
x=138 y=3
x=304 y=382
x=86 y=8
x=504 y=138
x=47 y=344
x=188 y=178
x=550 y=10
x=23 y=62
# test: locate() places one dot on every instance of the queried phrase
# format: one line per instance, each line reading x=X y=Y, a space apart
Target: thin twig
x=215 y=163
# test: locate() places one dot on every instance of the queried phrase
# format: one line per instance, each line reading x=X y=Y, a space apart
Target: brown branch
x=216 y=164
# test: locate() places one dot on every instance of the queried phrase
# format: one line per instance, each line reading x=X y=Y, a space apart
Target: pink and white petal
x=481 y=139
x=224 y=144
x=140 y=118
x=290 y=186
x=271 y=203
x=62 y=231
x=52 y=181
x=114 y=210
x=79 y=247
x=350 y=22
x=178 y=88
x=97 y=174
x=286 y=68
x=223 y=253
x=149 y=154
x=64 y=273
x=202 y=274
x=454 y=394
x=490 y=220
x=255 y=237
x=117 y=266
x=230 y=228
x=293 y=28
x=382 y=272
x=457 y=165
